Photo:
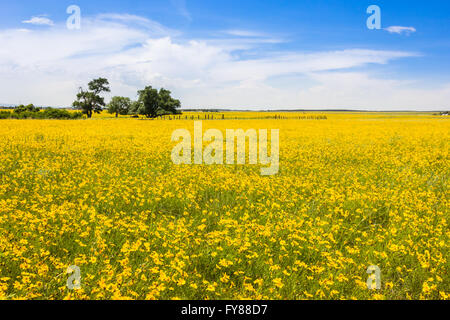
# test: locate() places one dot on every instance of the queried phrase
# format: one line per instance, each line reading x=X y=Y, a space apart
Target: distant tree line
x=32 y=112
x=150 y=103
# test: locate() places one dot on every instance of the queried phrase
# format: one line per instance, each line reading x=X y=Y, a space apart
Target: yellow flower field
x=354 y=190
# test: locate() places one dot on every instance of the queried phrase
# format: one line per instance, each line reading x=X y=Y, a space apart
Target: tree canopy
x=119 y=105
x=152 y=103
x=90 y=101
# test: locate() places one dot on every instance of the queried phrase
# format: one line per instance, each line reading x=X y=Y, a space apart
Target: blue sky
x=233 y=54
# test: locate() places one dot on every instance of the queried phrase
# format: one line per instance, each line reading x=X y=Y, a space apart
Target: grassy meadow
x=354 y=190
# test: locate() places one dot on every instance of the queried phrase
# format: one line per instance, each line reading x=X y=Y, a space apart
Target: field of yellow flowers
x=354 y=190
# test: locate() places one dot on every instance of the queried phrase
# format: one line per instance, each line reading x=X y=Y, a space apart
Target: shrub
x=5 y=114
x=29 y=108
x=22 y=112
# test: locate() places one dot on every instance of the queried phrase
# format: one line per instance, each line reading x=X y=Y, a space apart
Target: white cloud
x=132 y=52
x=358 y=90
x=40 y=20
x=400 y=30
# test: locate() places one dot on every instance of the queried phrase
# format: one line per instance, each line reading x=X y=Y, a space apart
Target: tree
x=136 y=108
x=152 y=103
x=148 y=100
x=90 y=101
x=166 y=103
x=119 y=105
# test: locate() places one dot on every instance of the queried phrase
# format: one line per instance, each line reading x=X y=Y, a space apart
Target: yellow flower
x=278 y=283
x=225 y=278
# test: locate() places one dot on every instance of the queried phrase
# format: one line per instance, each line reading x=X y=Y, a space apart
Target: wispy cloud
x=181 y=7
x=244 y=33
x=400 y=29
x=134 y=21
x=40 y=20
